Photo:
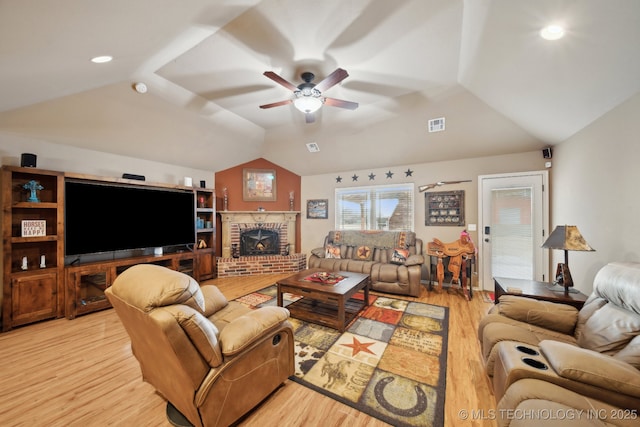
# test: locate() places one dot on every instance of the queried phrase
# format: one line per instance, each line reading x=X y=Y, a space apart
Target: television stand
x=87 y=282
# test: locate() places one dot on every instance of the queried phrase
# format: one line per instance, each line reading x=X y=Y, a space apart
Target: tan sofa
x=212 y=359
x=394 y=260
x=546 y=355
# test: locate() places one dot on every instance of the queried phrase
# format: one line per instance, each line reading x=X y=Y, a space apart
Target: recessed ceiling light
x=552 y=32
x=101 y=59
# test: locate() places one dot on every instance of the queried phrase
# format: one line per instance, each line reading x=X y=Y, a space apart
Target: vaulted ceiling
x=480 y=64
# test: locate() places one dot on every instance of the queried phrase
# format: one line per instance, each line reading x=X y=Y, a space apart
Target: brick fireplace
x=238 y=226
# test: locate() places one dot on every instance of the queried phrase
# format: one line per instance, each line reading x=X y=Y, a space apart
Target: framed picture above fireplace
x=259 y=185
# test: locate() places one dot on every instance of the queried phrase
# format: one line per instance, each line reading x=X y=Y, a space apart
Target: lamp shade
x=567 y=237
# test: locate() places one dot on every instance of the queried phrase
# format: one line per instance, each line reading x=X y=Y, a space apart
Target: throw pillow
x=363 y=253
x=332 y=251
x=399 y=256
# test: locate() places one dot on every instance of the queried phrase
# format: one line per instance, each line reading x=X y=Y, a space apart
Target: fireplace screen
x=259 y=241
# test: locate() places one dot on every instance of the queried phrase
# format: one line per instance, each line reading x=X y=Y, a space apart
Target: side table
x=536 y=290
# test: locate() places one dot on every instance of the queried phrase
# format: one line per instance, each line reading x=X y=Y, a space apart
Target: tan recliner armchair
x=548 y=355
x=212 y=359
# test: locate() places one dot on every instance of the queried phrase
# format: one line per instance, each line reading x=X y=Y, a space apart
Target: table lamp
x=567 y=238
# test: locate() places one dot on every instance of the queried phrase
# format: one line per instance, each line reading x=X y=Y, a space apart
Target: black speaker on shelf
x=546 y=153
x=28 y=160
x=133 y=176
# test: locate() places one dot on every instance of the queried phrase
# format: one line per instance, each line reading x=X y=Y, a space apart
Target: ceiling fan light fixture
x=307 y=104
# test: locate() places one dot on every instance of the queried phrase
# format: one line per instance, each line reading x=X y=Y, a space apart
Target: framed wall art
x=317 y=208
x=444 y=208
x=259 y=185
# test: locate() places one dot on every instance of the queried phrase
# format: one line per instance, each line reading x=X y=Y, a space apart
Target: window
x=380 y=207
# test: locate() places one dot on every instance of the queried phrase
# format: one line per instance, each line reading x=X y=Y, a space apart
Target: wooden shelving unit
x=205 y=232
x=32 y=290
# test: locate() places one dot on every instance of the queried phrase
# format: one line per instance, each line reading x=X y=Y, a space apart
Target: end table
x=536 y=290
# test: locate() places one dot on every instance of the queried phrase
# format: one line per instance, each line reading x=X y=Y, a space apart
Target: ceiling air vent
x=436 y=125
x=313 y=147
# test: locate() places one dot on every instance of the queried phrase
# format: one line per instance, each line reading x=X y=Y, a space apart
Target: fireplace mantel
x=257 y=217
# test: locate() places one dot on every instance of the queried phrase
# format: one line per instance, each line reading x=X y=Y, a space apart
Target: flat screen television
x=107 y=217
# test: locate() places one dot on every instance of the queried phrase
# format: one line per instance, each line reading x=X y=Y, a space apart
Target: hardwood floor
x=81 y=373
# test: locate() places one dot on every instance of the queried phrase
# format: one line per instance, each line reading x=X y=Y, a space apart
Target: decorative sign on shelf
x=34 y=228
x=444 y=208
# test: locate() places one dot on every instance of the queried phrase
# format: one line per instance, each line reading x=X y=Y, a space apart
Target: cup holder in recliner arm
x=527 y=350
x=535 y=363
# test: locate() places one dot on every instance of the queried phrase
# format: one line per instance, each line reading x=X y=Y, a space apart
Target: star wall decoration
x=372 y=176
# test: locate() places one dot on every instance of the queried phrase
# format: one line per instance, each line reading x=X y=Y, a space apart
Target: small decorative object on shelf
x=24 y=265
x=225 y=199
x=33 y=186
x=43 y=263
x=34 y=227
x=201 y=202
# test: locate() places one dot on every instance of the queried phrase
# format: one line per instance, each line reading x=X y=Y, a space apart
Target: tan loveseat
x=393 y=259
x=543 y=355
x=212 y=359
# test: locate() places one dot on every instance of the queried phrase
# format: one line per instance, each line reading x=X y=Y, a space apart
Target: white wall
x=77 y=160
x=323 y=187
x=595 y=186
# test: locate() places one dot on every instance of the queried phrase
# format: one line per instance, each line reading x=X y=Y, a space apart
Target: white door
x=514 y=217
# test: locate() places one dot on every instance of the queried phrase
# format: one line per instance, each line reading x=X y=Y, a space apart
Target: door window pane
x=512 y=233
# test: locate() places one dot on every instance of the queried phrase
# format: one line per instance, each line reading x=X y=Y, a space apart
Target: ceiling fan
x=438 y=184
x=308 y=96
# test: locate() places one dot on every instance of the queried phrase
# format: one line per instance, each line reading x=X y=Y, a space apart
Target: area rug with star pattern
x=390 y=362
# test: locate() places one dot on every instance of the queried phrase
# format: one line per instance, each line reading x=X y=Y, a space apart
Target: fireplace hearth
x=259 y=241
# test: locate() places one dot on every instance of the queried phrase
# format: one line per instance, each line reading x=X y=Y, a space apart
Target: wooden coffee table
x=326 y=304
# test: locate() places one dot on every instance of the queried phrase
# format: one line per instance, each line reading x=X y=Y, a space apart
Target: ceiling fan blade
x=276 y=104
x=276 y=78
x=340 y=103
x=309 y=118
x=332 y=79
